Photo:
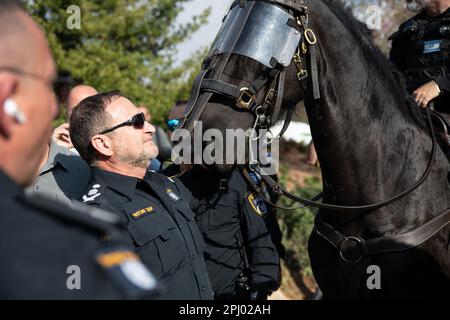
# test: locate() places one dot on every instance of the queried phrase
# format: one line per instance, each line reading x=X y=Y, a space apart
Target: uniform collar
x=126 y=185
x=9 y=186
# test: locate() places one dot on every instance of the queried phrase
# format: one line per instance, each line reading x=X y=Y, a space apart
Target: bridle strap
x=260 y=192
x=300 y=5
x=279 y=190
x=314 y=71
x=195 y=92
x=385 y=244
x=287 y=121
x=279 y=100
x=312 y=59
x=220 y=87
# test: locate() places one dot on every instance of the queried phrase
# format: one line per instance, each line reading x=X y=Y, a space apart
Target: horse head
x=249 y=77
x=372 y=142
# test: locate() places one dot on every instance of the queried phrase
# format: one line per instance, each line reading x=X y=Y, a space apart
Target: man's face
x=133 y=146
x=35 y=98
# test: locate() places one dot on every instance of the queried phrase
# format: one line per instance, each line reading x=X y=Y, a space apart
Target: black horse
x=372 y=143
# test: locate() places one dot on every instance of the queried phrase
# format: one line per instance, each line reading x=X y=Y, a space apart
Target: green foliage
x=127 y=45
x=297 y=225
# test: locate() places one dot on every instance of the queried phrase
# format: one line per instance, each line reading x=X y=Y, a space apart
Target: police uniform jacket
x=420 y=50
x=234 y=223
x=51 y=251
x=161 y=228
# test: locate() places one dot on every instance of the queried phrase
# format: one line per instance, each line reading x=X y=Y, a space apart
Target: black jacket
x=420 y=50
x=235 y=226
x=161 y=227
x=46 y=246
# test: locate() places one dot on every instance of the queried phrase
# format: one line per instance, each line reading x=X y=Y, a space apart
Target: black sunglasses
x=137 y=121
x=54 y=82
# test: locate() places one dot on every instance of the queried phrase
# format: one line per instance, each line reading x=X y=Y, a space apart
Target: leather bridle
x=245 y=99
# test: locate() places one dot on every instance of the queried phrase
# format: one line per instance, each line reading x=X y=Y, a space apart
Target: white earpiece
x=12 y=109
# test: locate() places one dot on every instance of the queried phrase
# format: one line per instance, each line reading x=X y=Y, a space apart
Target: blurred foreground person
x=48 y=251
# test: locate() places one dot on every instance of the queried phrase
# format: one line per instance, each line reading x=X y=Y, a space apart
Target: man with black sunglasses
x=48 y=250
x=113 y=137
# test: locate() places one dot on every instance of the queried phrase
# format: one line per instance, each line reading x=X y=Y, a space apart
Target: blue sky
x=205 y=35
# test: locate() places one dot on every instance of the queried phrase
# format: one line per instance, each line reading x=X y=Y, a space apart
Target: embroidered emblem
x=172 y=194
x=257 y=204
x=432 y=46
x=92 y=194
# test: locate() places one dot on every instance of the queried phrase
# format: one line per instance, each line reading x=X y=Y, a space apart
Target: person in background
x=63 y=175
x=243 y=239
x=172 y=123
x=420 y=50
x=61 y=134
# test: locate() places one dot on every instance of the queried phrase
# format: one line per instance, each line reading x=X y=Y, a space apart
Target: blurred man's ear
x=8 y=85
x=102 y=144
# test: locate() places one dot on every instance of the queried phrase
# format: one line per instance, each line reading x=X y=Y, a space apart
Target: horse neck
x=364 y=133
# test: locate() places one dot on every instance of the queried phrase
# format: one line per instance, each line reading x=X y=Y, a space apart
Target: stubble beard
x=142 y=160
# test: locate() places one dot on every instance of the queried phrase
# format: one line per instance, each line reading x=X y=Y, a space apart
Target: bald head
x=78 y=94
x=19 y=37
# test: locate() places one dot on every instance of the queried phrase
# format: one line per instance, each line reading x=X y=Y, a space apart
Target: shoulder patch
x=257 y=204
x=431 y=46
x=127 y=271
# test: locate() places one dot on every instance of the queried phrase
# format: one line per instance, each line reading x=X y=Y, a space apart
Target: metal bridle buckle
x=310 y=36
x=246 y=98
x=357 y=243
x=302 y=75
x=269 y=96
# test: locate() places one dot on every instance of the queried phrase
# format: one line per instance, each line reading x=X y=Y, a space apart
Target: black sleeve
x=396 y=55
x=262 y=253
x=444 y=82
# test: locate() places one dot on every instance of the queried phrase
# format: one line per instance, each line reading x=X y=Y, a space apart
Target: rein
x=352 y=248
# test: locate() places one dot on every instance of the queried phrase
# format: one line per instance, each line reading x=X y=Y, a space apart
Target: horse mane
x=380 y=64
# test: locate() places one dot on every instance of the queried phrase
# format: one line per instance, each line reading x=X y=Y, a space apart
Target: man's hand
x=425 y=93
x=62 y=137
